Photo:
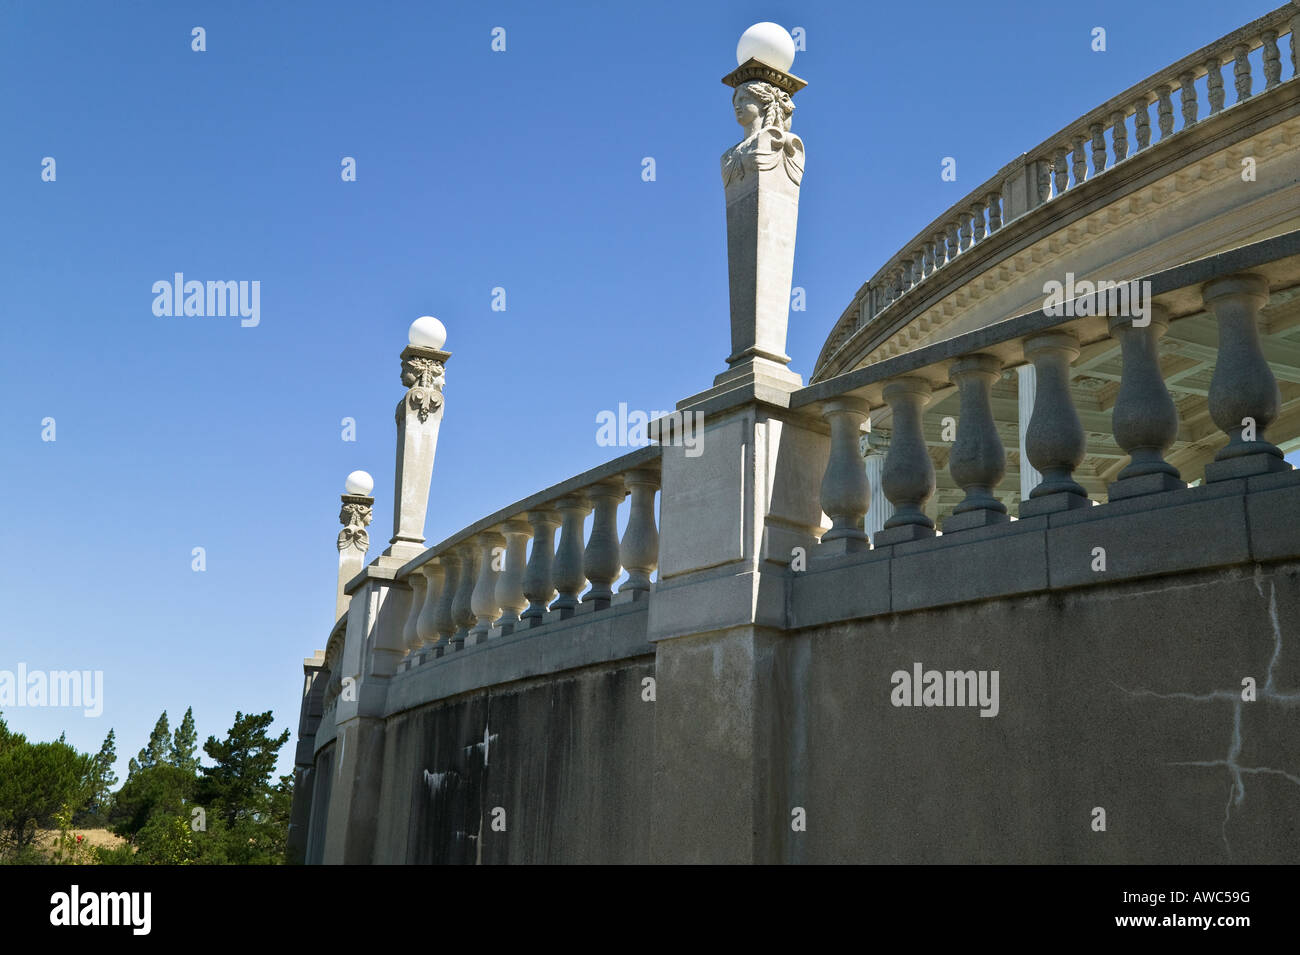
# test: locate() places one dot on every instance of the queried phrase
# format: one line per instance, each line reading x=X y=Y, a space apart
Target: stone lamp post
x=354 y=539
x=761 y=175
x=419 y=415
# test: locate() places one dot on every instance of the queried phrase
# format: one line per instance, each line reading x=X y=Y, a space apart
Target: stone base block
x=1053 y=504
x=591 y=605
x=841 y=546
x=980 y=517
x=631 y=596
x=1247 y=465
x=1144 y=484
x=902 y=533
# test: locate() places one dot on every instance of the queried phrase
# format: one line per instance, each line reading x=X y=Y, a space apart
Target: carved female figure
x=765 y=112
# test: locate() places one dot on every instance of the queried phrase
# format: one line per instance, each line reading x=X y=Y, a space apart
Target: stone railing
x=1243 y=400
x=481 y=583
x=1061 y=162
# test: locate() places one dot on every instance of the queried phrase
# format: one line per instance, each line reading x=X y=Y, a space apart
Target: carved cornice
x=752 y=69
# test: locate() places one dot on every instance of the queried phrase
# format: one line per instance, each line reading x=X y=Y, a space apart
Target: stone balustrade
x=483 y=583
x=1061 y=162
x=1243 y=399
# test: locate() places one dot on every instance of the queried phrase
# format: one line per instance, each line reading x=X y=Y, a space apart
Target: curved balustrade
x=481 y=583
x=1243 y=397
x=1061 y=163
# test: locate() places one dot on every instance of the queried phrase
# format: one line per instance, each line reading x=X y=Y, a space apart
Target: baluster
x=907 y=275
x=953 y=242
x=1119 y=135
x=994 y=201
x=977 y=221
x=1043 y=179
x=964 y=225
x=977 y=461
x=1241 y=71
x=1295 y=46
x=940 y=250
x=600 y=561
x=1165 y=112
x=538 y=587
x=410 y=635
x=1061 y=171
x=640 y=544
x=568 y=576
x=462 y=606
x=1054 y=439
x=1144 y=419
x=1273 y=59
x=426 y=625
x=918 y=265
x=1098 y=148
x=1079 y=160
x=908 y=474
x=927 y=252
x=510 y=585
x=1187 y=84
x=1142 y=123
x=1214 y=84
x=845 y=494
x=445 y=620
x=1244 y=396
x=483 y=599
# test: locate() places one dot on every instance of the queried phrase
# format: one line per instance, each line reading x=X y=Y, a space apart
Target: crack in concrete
x=1269 y=691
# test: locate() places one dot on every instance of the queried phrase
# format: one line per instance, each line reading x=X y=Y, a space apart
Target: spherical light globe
x=768 y=43
x=427 y=332
x=359 y=483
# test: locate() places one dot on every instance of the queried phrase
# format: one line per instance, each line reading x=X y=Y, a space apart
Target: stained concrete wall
x=563 y=763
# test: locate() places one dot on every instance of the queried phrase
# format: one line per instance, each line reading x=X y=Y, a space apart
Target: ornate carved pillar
x=510 y=587
x=354 y=539
x=908 y=474
x=419 y=415
x=1144 y=419
x=538 y=586
x=1054 y=439
x=761 y=175
x=640 y=544
x=569 y=578
x=483 y=599
x=1244 y=397
x=977 y=461
x=845 y=494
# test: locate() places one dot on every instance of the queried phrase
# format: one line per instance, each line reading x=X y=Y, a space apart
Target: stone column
x=426 y=625
x=483 y=599
x=510 y=587
x=538 y=587
x=872 y=446
x=600 y=561
x=410 y=632
x=462 y=614
x=1145 y=419
x=761 y=175
x=908 y=475
x=640 y=545
x=354 y=539
x=445 y=620
x=845 y=494
x=568 y=575
x=419 y=415
x=1244 y=397
x=1054 y=439
x=977 y=461
x=1027 y=385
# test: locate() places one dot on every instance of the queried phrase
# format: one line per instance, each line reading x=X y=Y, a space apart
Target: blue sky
x=475 y=170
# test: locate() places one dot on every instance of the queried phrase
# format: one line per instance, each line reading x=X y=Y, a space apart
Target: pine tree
x=159 y=744
x=103 y=779
x=185 y=742
x=238 y=784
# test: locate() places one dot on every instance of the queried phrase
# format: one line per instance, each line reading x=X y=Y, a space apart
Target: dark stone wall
x=568 y=759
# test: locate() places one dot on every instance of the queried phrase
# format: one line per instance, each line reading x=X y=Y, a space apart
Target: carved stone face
x=748 y=109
